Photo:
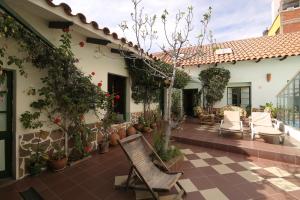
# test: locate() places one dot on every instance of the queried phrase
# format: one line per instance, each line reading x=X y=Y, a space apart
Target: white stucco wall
x=101 y=63
x=255 y=73
x=89 y=61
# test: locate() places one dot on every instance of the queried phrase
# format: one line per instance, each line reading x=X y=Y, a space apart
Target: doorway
x=6 y=99
x=117 y=86
x=189 y=101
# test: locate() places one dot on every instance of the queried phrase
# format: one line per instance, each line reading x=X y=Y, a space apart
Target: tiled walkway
x=212 y=174
x=208 y=174
x=268 y=147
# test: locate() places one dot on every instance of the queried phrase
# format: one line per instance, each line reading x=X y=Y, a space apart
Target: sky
x=231 y=19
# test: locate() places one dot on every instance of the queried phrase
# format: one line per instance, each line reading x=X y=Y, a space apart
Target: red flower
x=57 y=120
x=93 y=73
x=117 y=97
x=66 y=30
x=99 y=84
x=81 y=44
x=82 y=117
x=87 y=149
x=107 y=94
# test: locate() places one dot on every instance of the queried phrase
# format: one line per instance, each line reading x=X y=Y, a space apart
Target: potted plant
x=140 y=125
x=57 y=158
x=106 y=122
x=103 y=145
x=130 y=131
x=122 y=133
x=37 y=162
x=147 y=128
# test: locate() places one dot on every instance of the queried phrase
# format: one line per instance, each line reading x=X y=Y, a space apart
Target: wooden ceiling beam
x=97 y=41
x=60 y=24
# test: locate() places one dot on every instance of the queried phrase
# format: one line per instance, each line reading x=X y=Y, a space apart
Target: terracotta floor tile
x=186 y=165
x=94 y=178
x=194 y=196
x=295 y=194
x=62 y=186
x=48 y=194
x=77 y=193
x=212 y=161
x=202 y=183
x=192 y=157
x=208 y=171
x=233 y=194
x=236 y=167
x=234 y=179
x=282 y=196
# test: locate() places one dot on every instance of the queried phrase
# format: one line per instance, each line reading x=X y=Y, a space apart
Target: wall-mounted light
x=269 y=77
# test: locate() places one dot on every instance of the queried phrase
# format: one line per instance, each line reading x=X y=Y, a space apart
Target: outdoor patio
x=268 y=148
x=208 y=174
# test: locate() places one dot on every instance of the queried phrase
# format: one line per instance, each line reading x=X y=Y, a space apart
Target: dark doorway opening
x=6 y=99
x=189 y=101
x=117 y=86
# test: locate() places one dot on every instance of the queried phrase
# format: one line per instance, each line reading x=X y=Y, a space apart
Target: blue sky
x=231 y=19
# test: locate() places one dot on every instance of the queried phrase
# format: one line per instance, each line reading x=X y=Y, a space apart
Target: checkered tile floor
x=242 y=172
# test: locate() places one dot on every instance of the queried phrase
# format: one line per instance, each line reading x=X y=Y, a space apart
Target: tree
x=214 y=81
x=147 y=89
x=145 y=35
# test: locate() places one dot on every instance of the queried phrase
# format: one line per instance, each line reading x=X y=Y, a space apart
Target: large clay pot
x=114 y=137
x=153 y=125
x=147 y=130
x=122 y=133
x=131 y=131
x=57 y=165
x=139 y=127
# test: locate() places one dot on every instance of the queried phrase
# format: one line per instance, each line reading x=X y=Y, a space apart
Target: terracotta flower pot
x=57 y=165
x=131 y=131
x=114 y=137
x=139 y=127
x=147 y=130
x=122 y=133
x=153 y=125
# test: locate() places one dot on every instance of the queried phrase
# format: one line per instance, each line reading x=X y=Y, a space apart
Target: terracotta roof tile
x=68 y=11
x=248 y=49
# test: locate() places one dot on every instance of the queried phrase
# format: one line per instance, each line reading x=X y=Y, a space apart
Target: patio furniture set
x=260 y=124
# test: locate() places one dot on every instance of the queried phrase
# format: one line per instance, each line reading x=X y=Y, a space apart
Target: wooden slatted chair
x=155 y=178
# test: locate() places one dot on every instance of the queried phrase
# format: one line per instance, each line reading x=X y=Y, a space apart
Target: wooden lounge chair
x=261 y=124
x=231 y=122
x=154 y=177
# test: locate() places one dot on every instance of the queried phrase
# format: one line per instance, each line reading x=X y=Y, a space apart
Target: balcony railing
x=285 y=4
x=288 y=103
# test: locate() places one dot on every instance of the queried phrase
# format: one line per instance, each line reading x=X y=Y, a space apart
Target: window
x=239 y=96
x=288 y=103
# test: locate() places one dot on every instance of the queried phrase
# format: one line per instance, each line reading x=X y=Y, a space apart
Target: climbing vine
x=214 y=81
x=66 y=94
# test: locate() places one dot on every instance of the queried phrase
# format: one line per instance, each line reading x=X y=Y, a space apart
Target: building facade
x=97 y=52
